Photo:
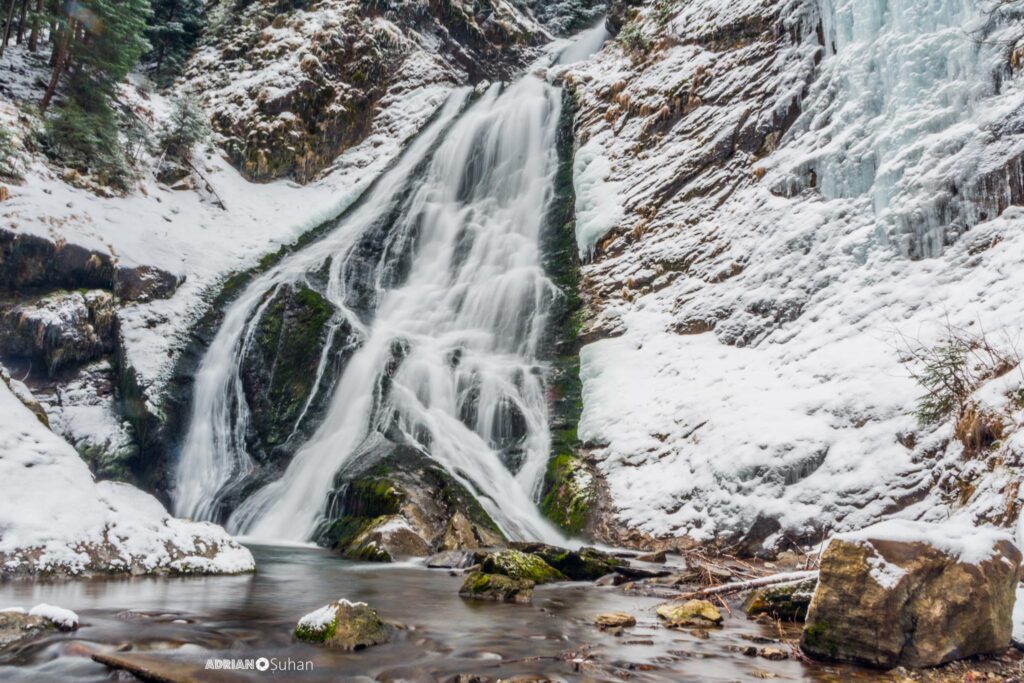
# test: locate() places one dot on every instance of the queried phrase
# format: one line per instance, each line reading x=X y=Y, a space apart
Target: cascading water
x=457 y=309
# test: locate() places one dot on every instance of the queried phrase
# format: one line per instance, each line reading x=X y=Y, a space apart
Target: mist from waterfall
x=457 y=339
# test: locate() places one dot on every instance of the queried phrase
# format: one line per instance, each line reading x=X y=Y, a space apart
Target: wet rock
x=18 y=626
x=585 y=564
x=570 y=490
x=62 y=329
x=452 y=559
x=788 y=602
x=689 y=614
x=614 y=620
x=497 y=587
x=343 y=625
x=399 y=482
x=658 y=558
x=773 y=653
x=635 y=573
x=913 y=594
x=519 y=565
x=388 y=539
x=279 y=368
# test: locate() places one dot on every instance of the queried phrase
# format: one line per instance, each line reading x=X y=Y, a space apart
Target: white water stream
x=468 y=202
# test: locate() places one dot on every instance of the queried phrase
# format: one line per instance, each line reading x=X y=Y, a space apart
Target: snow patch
x=65 y=619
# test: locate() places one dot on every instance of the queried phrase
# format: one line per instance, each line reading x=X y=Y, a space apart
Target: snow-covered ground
x=764 y=290
x=54 y=518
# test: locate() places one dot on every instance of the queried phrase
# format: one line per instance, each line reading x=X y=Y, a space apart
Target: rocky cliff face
x=781 y=205
x=290 y=85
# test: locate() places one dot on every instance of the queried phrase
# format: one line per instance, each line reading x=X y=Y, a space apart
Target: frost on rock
x=55 y=519
x=805 y=189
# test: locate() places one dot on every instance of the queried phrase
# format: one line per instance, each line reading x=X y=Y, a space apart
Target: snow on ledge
x=967 y=543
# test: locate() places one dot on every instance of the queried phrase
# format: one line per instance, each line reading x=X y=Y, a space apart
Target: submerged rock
x=913 y=594
x=496 y=587
x=18 y=626
x=343 y=625
x=520 y=565
x=788 y=602
x=689 y=614
x=585 y=564
x=453 y=559
x=614 y=620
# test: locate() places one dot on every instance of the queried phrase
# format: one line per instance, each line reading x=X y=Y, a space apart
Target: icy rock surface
x=805 y=188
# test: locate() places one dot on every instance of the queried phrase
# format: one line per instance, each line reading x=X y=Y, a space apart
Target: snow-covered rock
x=914 y=594
x=56 y=520
x=802 y=190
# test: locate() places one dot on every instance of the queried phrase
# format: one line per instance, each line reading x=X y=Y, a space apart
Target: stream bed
x=178 y=624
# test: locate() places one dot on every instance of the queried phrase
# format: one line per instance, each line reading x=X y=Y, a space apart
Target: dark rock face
x=280 y=369
x=29 y=262
x=396 y=502
x=61 y=329
x=885 y=602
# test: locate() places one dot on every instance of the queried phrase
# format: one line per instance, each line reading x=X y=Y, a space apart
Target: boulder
x=60 y=329
x=689 y=614
x=788 y=602
x=585 y=564
x=519 y=565
x=17 y=625
x=496 y=587
x=913 y=594
x=343 y=625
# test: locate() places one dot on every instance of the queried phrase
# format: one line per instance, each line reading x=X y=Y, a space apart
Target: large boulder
x=519 y=565
x=497 y=588
x=913 y=594
x=585 y=564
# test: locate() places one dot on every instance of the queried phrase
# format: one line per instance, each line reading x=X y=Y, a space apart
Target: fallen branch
x=727 y=588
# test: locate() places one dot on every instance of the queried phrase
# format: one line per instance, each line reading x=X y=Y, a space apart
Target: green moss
x=569 y=490
x=482 y=586
x=316 y=635
x=520 y=565
x=817 y=638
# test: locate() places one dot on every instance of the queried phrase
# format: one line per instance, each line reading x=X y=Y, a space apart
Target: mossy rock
x=689 y=614
x=496 y=587
x=787 y=602
x=279 y=370
x=569 y=493
x=354 y=626
x=585 y=564
x=520 y=565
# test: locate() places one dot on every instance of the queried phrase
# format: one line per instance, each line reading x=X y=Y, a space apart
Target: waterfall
x=457 y=311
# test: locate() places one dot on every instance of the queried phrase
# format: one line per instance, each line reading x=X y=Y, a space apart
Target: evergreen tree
x=186 y=128
x=99 y=42
x=174 y=28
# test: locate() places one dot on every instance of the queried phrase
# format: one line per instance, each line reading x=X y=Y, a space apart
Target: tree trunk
x=37 y=21
x=22 y=21
x=7 y=25
x=59 y=62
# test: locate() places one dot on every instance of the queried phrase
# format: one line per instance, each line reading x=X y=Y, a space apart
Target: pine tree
x=98 y=43
x=186 y=128
x=174 y=28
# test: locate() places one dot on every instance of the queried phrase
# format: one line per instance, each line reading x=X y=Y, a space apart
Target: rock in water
x=497 y=587
x=913 y=594
x=689 y=614
x=519 y=565
x=614 y=620
x=788 y=602
x=585 y=564
x=343 y=625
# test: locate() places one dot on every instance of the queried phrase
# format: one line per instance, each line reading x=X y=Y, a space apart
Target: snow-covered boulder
x=344 y=625
x=914 y=594
x=55 y=519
